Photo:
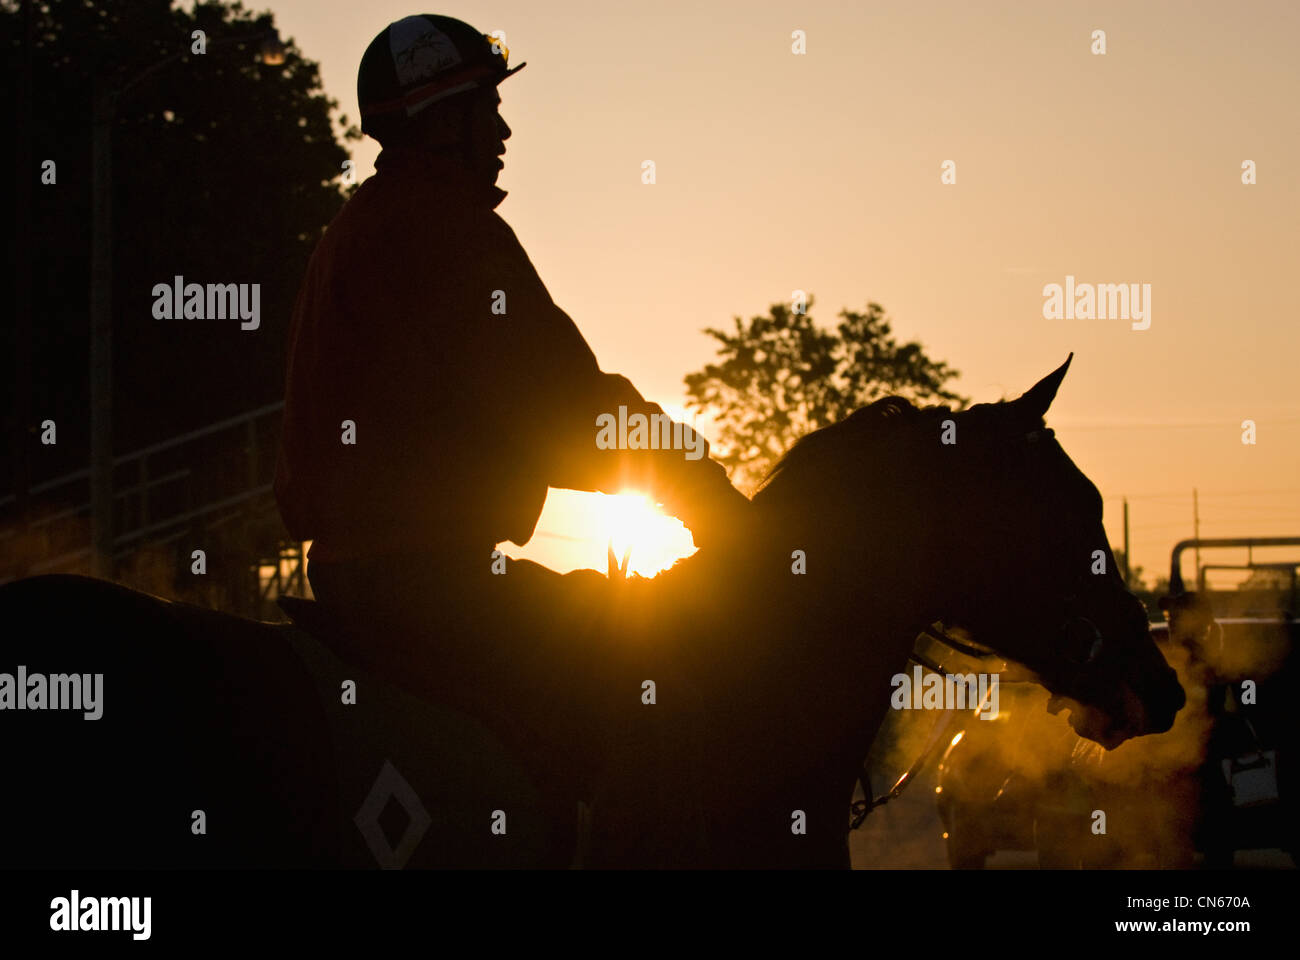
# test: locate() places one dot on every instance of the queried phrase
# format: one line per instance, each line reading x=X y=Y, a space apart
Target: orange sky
x=821 y=172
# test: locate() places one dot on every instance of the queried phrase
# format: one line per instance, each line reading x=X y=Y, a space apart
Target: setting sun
x=656 y=541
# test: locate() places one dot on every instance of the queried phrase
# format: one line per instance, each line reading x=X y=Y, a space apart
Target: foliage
x=781 y=376
x=225 y=170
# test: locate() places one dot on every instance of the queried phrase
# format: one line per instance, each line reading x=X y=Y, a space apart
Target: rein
x=859 y=809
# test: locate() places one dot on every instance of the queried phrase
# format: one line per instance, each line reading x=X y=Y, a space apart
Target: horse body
x=245 y=722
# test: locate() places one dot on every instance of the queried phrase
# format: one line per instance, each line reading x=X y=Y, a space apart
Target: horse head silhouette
x=988 y=527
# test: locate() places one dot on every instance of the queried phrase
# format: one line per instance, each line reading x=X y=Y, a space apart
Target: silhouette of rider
x=435 y=391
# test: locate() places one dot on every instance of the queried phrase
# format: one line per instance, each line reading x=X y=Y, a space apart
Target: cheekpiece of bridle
x=1081 y=641
x=1086 y=648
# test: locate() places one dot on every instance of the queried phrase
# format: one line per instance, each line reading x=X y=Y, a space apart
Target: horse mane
x=883 y=440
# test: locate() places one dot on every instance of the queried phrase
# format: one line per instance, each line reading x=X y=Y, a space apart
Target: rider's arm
x=558 y=382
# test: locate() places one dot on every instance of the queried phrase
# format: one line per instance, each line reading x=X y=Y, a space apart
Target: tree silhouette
x=781 y=376
x=225 y=170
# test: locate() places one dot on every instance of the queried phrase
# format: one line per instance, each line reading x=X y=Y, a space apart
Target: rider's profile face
x=488 y=131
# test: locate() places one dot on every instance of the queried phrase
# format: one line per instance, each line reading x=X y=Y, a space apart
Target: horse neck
x=866 y=594
x=806 y=686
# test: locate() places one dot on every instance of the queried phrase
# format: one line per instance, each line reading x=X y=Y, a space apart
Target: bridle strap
x=859 y=809
x=942 y=636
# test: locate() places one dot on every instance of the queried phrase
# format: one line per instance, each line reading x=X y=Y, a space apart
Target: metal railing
x=161 y=492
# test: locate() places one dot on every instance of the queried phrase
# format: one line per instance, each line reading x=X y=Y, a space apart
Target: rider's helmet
x=418 y=61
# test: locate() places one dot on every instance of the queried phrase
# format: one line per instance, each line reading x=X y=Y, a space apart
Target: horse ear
x=1039 y=397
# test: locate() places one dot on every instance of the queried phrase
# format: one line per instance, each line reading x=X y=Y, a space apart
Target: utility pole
x=22 y=261
x=101 y=332
x=105 y=100
x=1196 y=532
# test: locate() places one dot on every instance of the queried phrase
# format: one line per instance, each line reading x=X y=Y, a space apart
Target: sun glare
x=656 y=541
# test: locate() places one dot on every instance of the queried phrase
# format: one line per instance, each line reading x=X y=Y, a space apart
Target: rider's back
x=394 y=330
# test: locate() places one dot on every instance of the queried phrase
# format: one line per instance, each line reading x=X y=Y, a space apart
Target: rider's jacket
x=435 y=390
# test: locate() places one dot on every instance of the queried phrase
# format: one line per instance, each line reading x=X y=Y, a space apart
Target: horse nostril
x=1165 y=708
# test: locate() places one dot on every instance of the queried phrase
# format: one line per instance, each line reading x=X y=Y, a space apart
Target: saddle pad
x=420 y=784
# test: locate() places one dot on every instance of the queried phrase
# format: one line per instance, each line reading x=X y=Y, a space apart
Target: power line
x=1187 y=493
